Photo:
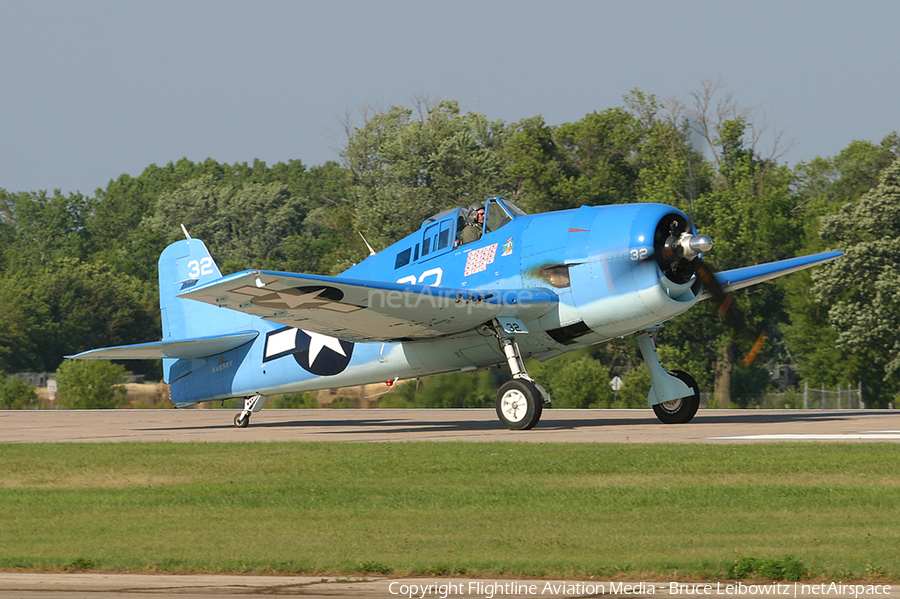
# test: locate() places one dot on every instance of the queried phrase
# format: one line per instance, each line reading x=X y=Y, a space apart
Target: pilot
x=474 y=223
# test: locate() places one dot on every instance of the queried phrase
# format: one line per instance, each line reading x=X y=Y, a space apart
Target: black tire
x=241 y=422
x=680 y=411
x=519 y=404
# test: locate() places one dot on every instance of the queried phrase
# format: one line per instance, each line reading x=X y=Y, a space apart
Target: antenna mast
x=371 y=251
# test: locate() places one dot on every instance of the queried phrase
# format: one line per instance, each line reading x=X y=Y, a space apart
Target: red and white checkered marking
x=479 y=259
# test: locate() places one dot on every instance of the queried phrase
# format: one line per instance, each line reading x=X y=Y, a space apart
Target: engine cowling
x=640 y=269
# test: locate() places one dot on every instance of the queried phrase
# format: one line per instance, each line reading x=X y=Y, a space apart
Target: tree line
x=79 y=272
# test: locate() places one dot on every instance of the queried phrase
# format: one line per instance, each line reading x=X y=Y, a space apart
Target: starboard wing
x=751 y=275
x=366 y=311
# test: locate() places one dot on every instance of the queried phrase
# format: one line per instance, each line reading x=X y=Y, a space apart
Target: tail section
x=183 y=265
x=203 y=346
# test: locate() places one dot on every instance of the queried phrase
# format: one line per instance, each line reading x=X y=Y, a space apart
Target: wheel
x=519 y=404
x=241 y=422
x=679 y=411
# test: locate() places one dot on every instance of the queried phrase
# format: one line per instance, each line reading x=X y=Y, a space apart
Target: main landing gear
x=251 y=405
x=520 y=402
x=674 y=395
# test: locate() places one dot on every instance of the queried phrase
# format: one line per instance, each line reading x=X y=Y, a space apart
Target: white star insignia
x=304 y=300
x=317 y=341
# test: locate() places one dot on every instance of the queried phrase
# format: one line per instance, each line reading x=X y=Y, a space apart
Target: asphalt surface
x=562 y=426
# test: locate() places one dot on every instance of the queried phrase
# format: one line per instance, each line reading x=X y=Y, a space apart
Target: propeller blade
x=728 y=308
x=754 y=351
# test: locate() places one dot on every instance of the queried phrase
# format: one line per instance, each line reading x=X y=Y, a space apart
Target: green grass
x=673 y=511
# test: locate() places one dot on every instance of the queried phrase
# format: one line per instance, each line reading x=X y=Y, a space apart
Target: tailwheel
x=252 y=404
x=519 y=404
x=681 y=410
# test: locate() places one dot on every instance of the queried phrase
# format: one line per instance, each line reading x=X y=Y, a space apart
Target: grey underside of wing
x=363 y=311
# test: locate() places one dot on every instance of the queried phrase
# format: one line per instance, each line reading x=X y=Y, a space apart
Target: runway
x=476 y=425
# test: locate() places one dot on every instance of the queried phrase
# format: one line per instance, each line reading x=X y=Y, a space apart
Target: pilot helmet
x=472 y=214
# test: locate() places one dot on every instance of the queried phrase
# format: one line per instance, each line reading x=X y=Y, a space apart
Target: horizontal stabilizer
x=199 y=347
x=368 y=311
x=751 y=275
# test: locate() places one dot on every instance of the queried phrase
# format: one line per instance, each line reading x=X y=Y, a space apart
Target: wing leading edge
x=366 y=311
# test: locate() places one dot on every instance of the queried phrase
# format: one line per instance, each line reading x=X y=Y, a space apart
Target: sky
x=95 y=89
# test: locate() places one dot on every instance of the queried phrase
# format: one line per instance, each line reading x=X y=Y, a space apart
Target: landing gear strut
x=520 y=402
x=251 y=405
x=674 y=396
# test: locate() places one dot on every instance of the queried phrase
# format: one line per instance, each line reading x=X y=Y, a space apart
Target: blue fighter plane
x=520 y=286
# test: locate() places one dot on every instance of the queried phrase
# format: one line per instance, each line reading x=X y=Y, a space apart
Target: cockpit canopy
x=498 y=211
x=441 y=232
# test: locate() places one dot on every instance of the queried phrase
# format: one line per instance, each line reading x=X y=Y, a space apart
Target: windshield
x=499 y=211
x=513 y=209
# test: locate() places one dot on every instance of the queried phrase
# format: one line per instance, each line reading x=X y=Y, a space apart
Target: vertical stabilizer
x=183 y=265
